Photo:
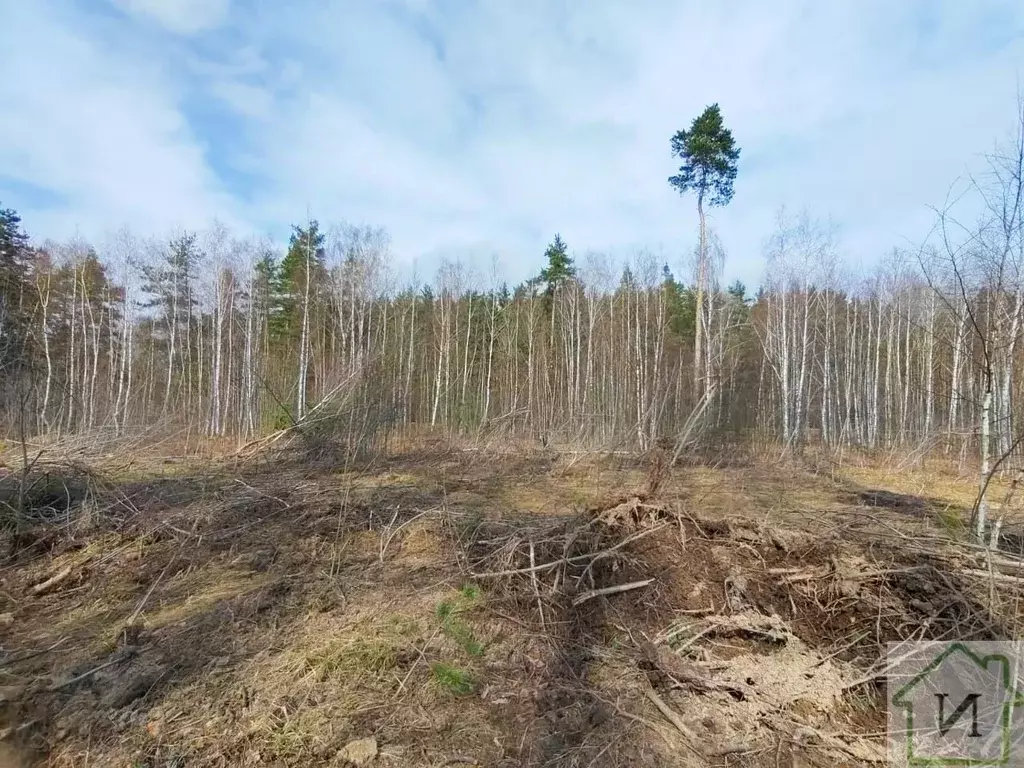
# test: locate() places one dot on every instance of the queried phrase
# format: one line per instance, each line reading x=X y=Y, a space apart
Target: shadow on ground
x=273 y=612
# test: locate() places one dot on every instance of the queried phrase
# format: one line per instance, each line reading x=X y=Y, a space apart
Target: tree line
x=233 y=336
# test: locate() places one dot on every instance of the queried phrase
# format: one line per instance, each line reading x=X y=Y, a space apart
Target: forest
x=233 y=336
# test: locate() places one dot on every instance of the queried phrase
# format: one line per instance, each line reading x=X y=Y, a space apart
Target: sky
x=476 y=130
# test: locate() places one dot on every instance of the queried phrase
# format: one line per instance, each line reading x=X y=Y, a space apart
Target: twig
x=845 y=647
x=691 y=640
x=31 y=654
x=582 y=598
x=77 y=679
x=672 y=716
x=149 y=593
x=565 y=560
x=401 y=683
x=656 y=727
x=536 y=588
x=890 y=663
x=831 y=741
x=387 y=542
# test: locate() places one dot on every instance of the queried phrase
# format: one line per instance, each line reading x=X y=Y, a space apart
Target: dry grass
x=248 y=613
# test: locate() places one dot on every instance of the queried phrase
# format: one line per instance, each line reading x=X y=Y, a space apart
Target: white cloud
x=186 y=17
x=493 y=125
x=103 y=136
x=507 y=123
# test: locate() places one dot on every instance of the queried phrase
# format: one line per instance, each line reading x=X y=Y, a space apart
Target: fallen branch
x=770 y=627
x=660 y=662
x=995 y=576
x=861 y=750
x=536 y=588
x=806 y=576
x=567 y=560
x=583 y=597
x=51 y=582
x=670 y=714
x=118 y=658
x=1002 y=562
x=30 y=654
x=731 y=748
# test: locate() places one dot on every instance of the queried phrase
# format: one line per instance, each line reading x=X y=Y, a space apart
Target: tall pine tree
x=709 y=154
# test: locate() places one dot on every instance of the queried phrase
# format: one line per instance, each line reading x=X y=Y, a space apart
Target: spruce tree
x=680 y=305
x=559 y=269
x=13 y=288
x=306 y=245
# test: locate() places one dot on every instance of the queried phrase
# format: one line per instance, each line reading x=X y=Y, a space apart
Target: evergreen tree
x=559 y=269
x=627 y=282
x=738 y=303
x=268 y=288
x=528 y=288
x=738 y=293
x=169 y=283
x=709 y=156
x=306 y=246
x=13 y=242
x=680 y=305
x=13 y=289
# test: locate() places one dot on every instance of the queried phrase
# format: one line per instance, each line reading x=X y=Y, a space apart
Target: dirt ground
x=447 y=606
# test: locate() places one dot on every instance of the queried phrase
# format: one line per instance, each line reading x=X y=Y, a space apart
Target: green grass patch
x=445 y=610
x=463 y=635
x=469 y=592
x=448 y=611
x=453 y=680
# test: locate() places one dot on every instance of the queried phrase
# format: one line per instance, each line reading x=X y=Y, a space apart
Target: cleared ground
x=449 y=606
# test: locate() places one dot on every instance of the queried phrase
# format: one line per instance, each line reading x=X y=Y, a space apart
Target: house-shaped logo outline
x=1014 y=699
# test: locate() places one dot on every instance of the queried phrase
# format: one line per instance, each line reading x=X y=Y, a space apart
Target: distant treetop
x=709 y=154
x=560 y=266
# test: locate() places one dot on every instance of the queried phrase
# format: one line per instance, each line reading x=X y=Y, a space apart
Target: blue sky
x=479 y=128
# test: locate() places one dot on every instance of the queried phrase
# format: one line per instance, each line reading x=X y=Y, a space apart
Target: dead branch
x=732 y=748
x=567 y=560
x=31 y=654
x=50 y=583
x=536 y=587
x=671 y=715
x=994 y=576
x=583 y=597
x=126 y=654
